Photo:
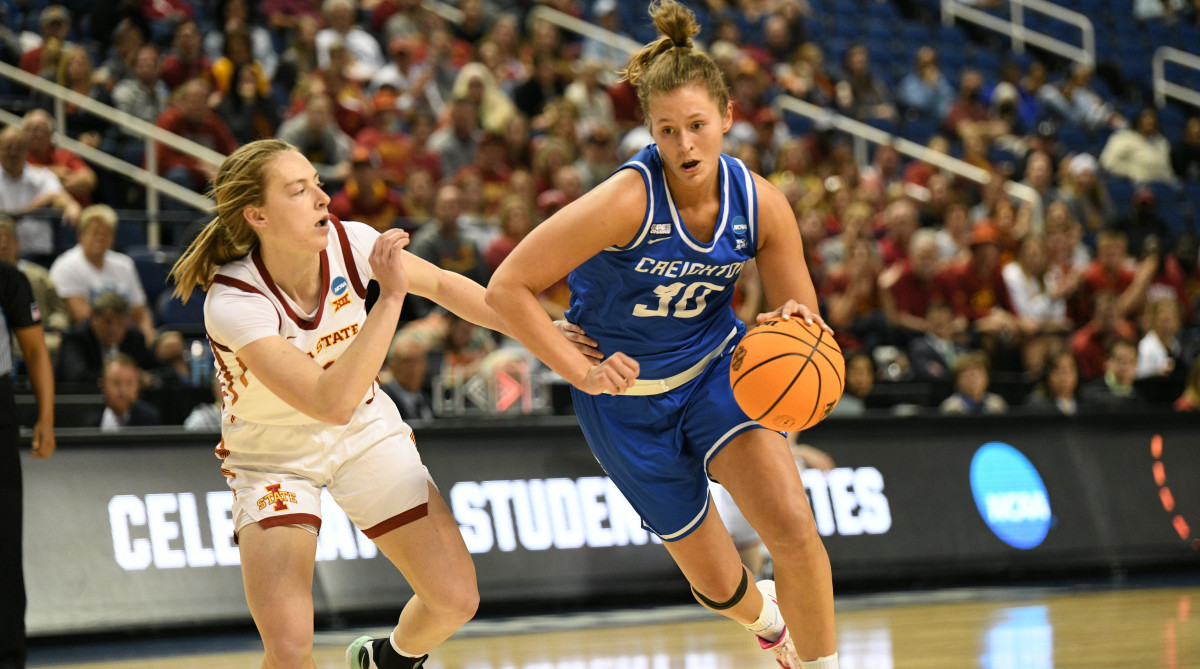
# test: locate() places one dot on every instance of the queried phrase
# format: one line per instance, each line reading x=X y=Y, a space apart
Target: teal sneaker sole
x=354 y=651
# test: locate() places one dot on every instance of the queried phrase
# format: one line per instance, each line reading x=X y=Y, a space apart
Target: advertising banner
x=976 y=495
x=134 y=529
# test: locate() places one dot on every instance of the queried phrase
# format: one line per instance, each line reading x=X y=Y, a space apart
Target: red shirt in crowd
x=892 y=251
x=838 y=282
x=31 y=60
x=60 y=157
x=379 y=209
x=211 y=132
x=1090 y=346
x=392 y=149
x=973 y=295
x=175 y=70
x=497 y=251
x=1097 y=280
x=626 y=109
x=913 y=295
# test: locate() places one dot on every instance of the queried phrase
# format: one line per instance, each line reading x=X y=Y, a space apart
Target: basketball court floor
x=1023 y=627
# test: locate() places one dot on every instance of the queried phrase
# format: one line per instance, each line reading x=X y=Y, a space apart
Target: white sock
x=827 y=662
x=405 y=653
x=769 y=625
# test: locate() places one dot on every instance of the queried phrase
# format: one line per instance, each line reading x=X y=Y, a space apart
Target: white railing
x=1164 y=88
x=107 y=161
x=568 y=22
x=448 y=12
x=148 y=132
x=863 y=132
x=1014 y=27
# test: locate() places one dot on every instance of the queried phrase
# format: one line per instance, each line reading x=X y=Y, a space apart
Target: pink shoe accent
x=784 y=650
x=772 y=645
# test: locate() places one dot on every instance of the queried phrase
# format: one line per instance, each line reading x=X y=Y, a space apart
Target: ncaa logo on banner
x=1010 y=495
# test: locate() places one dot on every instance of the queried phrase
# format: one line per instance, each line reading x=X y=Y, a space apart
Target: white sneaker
x=783 y=648
x=358 y=655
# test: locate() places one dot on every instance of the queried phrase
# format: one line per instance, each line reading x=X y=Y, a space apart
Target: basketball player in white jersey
x=653 y=254
x=298 y=355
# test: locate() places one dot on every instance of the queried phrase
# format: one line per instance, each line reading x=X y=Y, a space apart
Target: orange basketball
x=787 y=375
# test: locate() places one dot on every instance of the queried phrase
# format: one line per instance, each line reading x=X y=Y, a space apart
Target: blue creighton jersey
x=664 y=299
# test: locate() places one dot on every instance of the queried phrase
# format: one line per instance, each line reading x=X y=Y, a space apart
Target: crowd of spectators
x=469 y=134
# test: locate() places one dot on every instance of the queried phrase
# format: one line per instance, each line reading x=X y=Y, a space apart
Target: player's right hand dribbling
x=613 y=376
x=387 y=262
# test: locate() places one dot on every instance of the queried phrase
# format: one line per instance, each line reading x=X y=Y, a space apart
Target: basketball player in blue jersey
x=653 y=253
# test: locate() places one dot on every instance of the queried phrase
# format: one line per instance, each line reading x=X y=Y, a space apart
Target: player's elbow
x=334 y=414
x=493 y=296
x=502 y=291
x=341 y=415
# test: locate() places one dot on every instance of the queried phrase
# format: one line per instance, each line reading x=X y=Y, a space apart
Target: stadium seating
x=187 y=318
x=153 y=264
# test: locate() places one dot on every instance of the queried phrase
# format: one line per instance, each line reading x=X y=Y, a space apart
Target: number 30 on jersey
x=682 y=300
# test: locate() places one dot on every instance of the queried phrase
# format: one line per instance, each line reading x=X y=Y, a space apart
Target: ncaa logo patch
x=1010 y=495
x=339 y=286
x=739 y=225
x=739 y=356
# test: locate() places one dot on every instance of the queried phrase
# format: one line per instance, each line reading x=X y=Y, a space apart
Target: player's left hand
x=585 y=344
x=791 y=309
x=387 y=262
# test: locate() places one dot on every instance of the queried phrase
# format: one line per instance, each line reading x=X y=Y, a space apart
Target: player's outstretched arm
x=333 y=393
x=608 y=215
x=780 y=258
x=452 y=291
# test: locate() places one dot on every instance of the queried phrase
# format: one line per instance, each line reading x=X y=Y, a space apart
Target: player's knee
x=457 y=604
x=466 y=604
x=722 y=592
x=285 y=649
x=791 y=531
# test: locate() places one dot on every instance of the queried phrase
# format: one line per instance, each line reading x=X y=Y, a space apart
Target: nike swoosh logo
x=655 y=241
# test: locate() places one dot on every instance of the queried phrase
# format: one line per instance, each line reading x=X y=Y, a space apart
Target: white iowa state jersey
x=245 y=305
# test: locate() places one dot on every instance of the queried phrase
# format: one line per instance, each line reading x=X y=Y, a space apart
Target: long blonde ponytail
x=240 y=183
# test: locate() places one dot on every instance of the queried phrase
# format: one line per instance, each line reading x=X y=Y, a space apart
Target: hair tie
x=679 y=44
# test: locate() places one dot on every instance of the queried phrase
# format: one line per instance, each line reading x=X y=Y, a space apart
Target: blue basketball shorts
x=656 y=448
